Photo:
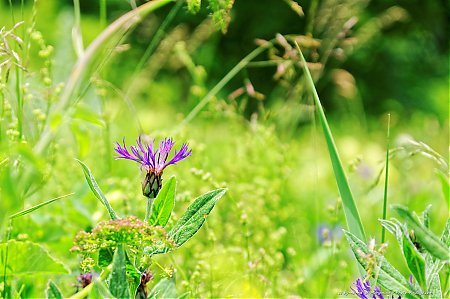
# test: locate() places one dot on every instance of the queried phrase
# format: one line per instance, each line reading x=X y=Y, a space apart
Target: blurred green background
x=277 y=232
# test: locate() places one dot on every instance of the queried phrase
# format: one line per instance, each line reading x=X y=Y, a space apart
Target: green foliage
x=351 y=211
x=164 y=203
x=24 y=258
x=254 y=132
x=52 y=291
x=165 y=288
x=194 y=217
x=96 y=190
x=424 y=237
x=415 y=261
x=385 y=274
x=118 y=284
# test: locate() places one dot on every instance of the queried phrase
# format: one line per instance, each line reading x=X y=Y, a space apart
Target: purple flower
x=363 y=290
x=153 y=159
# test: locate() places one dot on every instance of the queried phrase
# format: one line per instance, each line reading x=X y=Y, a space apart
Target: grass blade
x=383 y=231
x=351 y=212
x=96 y=190
x=84 y=62
x=27 y=211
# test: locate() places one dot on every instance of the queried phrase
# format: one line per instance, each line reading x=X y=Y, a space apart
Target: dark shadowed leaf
x=105 y=257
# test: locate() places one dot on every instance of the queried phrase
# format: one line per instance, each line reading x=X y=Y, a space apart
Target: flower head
x=364 y=290
x=153 y=159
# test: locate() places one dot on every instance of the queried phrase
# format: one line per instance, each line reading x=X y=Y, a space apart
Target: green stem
x=154 y=42
x=125 y=22
x=148 y=212
x=8 y=236
x=236 y=69
x=383 y=230
x=87 y=290
x=103 y=13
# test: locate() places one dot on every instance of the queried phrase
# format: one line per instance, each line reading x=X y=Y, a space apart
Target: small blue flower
x=363 y=290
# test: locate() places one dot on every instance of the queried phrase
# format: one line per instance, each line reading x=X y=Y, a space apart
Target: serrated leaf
x=165 y=288
x=118 y=284
x=415 y=262
x=387 y=276
x=164 y=203
x=25 y=257
x=96 y=190
x=52 y=291
x=195 y=215
x=426 y=238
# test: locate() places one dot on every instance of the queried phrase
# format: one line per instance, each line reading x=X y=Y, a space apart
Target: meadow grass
x=278 y=230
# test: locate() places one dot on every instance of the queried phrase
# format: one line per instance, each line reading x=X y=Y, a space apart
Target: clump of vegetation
x=241 y=83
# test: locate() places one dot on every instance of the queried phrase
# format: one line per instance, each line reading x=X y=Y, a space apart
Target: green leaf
x=32 y=209
x=415 y=262
x=99 y=290
x=425 y=217
x=164 y=203
x=394 y=228
x=354 y=223
x=426 y=238
x=435 y=289
x=445 y=237
x=52 y=291
x=445 y=184
x=118 y=284
x=165 y=288
x=387 y=276
x=105 y=257
x=96 y=190
x=184 y=295
x=25 y=257
x=195 y=215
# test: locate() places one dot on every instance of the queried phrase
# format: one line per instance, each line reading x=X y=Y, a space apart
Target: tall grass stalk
x=383 y=230
x=236 y=69
x=351 y=212
x=153 y=43
x=60 y=111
